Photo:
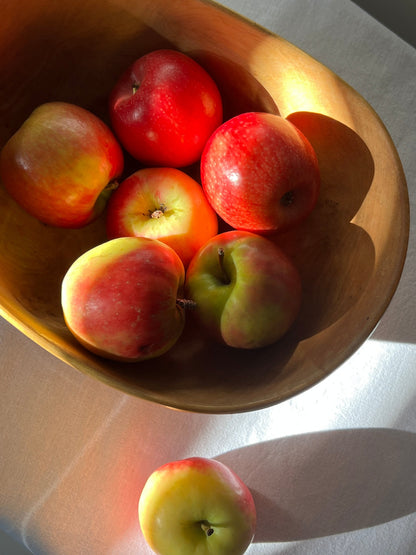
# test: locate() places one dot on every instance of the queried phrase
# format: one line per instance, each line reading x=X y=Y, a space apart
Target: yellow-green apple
x=165 y=204
x=120 y=299
x=260 y=173
x=197 y=505
x=247 y=291
x=164 y=107
x=61 y=164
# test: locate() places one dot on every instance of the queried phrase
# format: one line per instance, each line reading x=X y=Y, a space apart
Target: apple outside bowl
x=350 y=251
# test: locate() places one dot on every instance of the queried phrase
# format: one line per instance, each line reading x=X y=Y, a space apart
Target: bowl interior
x=350 y=252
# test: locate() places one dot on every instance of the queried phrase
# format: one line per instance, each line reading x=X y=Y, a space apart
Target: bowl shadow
x=329 y=482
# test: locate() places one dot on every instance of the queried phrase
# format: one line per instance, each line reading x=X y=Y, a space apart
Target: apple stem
x=207 y=529
x=135 y=87
x=112 y=185
x=221 y=255
x=186 y=304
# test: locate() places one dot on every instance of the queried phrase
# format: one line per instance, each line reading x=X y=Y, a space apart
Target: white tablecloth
x=332 y=470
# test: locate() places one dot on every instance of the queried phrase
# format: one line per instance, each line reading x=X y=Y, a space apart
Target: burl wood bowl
x=350 y=251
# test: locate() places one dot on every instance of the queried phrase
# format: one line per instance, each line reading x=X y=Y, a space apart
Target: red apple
x=61 y=164
x=197 y=505
x=247 y=291
x=120 y=299
x=260 y=173
x=164 y=108
x=164 y=204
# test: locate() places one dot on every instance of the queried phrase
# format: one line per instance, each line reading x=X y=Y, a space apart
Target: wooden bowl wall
x=350 y=252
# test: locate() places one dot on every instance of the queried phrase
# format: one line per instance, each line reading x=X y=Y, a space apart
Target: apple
x=120 y=298
x=61 y=165
x=260 y=173
x=197 y=505
x=247 y=292
x=164 y=107
x=165 y=204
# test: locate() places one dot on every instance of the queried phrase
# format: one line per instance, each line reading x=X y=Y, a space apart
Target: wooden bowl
x=350 y=252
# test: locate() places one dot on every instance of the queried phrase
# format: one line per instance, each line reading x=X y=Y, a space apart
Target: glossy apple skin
x=119 y=298
x=164 y=108
x=181 y=495
x=251 y=298
x=59 y=163
x=260 y=173
x=164 y=204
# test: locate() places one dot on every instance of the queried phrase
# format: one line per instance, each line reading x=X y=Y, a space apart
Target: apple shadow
x=66 y=40
x=329 y=482
x=327 y=247
x=240 y=90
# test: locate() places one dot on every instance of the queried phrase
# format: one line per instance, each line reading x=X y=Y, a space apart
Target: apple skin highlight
x=247 y=291
x=60 y=164
x=196 y=505
x=164 y=107
x=260 y=173
x=164 y=204
x=119 y=299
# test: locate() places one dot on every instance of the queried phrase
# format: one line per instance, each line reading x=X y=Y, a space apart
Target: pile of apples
x=127 y=298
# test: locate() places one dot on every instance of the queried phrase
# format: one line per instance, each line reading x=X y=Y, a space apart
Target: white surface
x=399 y=16
x=332 y=470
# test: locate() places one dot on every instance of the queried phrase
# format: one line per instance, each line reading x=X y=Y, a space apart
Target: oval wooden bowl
x=350 y=252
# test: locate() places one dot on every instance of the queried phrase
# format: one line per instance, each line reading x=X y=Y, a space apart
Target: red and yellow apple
x=164 y=107
x=260 y=173
x=165 y=204
x=120 y=299
x=197 y=505
x=247 y=291
x=61 y=164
